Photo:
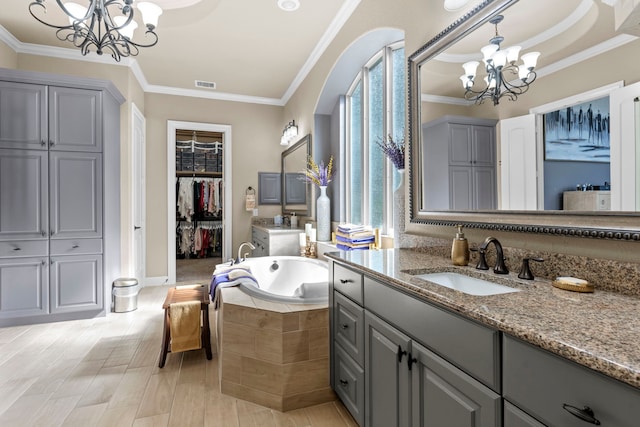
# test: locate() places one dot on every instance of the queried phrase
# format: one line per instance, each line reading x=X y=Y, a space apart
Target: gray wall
x=564 y=176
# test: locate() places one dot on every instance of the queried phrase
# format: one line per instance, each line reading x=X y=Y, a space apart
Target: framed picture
x=578 y=133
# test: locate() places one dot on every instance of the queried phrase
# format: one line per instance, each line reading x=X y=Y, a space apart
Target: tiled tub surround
x=598 y=330
x=273 y=354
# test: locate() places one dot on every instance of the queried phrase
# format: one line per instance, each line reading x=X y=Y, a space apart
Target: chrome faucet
x=500 y=267
x=240 y=258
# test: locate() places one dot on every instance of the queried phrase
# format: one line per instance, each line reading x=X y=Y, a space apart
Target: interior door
x=518 y=165
x=138 y=195
x=625 y=196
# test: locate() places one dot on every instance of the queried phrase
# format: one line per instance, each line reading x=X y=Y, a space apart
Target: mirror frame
x=609 y=225
x=297 y=146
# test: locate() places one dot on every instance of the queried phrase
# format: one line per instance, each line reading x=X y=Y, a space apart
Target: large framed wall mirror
x=296 y=192
x=506 y=163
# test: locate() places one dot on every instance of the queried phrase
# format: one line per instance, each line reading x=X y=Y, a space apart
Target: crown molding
x=345 y=12
x=336 y=25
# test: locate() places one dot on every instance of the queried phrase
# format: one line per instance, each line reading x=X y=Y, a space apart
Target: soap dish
x=573 y=284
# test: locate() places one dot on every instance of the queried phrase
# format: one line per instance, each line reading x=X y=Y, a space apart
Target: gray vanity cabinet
x=53 y=182
x=76 y=195
x=75 y=119
x=24 y=286
x=23 y=115
x=387 y=377
x=24 y=195
x=34 y=116
x=547 y=387
x=443 y=395
x=405 y=382
x=76 y=283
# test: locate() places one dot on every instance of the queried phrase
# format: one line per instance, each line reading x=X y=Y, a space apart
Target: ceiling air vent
x=205 y=85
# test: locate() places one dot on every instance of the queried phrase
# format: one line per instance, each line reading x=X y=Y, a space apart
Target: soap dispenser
x=460 y=248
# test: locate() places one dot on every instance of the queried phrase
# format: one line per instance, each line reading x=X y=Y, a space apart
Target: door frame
x=227 y=210
x=138 y=193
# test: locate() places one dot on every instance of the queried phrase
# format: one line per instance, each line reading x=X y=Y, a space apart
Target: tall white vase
x=323 y=215
x=398 y=210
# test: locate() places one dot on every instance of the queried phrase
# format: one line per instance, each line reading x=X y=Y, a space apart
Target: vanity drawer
x=472 y=347
x=348 y=326
x=23 y=248
x=349 y=384
x=76 y=246
x=540 y=383
x=348 y=282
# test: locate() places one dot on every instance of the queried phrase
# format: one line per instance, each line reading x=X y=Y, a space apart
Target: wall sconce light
x=290 y=131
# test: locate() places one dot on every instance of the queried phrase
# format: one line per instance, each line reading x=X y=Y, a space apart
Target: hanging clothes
x=201 y=239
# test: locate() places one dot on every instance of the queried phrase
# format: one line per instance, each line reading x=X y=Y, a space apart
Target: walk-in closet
x=199 y=203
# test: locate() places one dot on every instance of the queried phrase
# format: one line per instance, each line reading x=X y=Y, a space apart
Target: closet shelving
x=200 y=155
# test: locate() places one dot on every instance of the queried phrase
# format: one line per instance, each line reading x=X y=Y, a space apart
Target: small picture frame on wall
x=579 y=133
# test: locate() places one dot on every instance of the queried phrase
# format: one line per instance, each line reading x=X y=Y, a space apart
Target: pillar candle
x=313 y=235
x=303 y=239
x=307 y=229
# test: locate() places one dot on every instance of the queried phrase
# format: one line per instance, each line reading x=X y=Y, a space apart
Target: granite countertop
x=599 y=330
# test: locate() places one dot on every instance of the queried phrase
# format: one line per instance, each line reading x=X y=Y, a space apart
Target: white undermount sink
x=466 y=284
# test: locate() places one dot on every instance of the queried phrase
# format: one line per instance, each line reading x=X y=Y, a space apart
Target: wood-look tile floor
x=104 y=372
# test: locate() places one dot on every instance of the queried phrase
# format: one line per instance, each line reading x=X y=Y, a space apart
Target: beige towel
x=185 y=326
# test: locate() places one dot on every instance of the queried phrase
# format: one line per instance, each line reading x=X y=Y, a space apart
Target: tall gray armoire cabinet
x=59 y=196
x=459 y=161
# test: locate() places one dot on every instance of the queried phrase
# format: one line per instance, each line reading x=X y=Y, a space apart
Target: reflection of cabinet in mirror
x=459 y=160
x=587 y=200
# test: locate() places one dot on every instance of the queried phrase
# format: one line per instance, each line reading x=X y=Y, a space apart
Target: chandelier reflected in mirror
x=504 y=77
x=103 y=25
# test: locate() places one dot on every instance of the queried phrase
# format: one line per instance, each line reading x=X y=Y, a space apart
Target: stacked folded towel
x=226 y=276
x=352 y=237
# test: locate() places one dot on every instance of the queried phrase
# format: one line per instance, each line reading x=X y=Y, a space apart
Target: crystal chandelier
x=504 y=77
x=104 y=25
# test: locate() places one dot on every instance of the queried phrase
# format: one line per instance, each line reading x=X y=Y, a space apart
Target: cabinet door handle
x=585 y=414
x=75 y=247
x=17 y=248
x=410 y=361
x=400 y=353
x=43 y=142
x=344 y=326
x=44 y=233
x=344 y=383
x=44 y=262
x=51 y=143
x=345 y=281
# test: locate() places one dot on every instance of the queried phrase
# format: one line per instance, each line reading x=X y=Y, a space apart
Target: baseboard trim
x=156 y=281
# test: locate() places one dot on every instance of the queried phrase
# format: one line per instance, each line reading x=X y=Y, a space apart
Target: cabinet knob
x=344 y=383
x=44 y=262
x=400 y=353
x=585 y=414
x=17 y=248
x=44 y=233
x=75 y=247
x=51 y=143
x=344 y=326
x=43 y=142
x=345 y=281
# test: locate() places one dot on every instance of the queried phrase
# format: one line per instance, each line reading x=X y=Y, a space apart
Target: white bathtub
x=280 y=276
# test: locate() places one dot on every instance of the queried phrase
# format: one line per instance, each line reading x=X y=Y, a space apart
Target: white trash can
x=125 y=295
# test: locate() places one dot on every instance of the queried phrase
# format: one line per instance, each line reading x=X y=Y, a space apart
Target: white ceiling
x=256 y=52
x=251 y=49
